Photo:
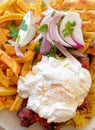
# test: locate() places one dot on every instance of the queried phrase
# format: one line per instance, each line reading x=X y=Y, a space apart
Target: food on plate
x=47 y=61
x=53 y=98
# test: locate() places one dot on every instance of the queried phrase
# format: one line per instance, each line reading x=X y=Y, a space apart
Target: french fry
x=3 y=98
x=10 y=17
x=6 y=5
x=17 y=9
x=3 y=66
x=30 y=46
x=1 y=12
x=4 y=80
x=10 y=62
x=92 y=69
x=6 y=32
x=26 y=68
x=56 y=3
x=39 y=57
x=16 y=104
x=9 y=47
x=29 y=56
x=7 y=12
x=7 y=91
x=91 y=50
x=36 y=8
x=9 y=72
x=3 y=38
x=81 y=118
x=21 y=4
x=13 y=79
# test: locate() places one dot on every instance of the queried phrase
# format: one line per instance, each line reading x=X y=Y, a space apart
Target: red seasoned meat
x=28 y=117
x=84 y=61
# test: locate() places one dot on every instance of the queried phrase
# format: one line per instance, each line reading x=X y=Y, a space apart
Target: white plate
x=9 y=120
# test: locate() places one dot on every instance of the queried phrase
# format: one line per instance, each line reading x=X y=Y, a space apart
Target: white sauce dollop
x=55 y=88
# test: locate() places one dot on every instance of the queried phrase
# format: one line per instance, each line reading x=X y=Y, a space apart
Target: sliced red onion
x=47 y=20
x=53 y=31
x=78 y=54
x=78 y=45
x=38 y=38
x=67 y=54
x=76 y=39
x=25 y=36
x=46 y=46
x=17 y=49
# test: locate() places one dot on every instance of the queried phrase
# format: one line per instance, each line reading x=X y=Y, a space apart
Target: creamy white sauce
x=55 y=88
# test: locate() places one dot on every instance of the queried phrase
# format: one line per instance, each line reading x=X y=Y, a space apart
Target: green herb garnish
x=34 y=62
x=69 y=28
x=43 y=4
x=66 y=65
x=41 y=39
x=65 y=9
x=60 y=20
x=43 y=28
x=86 y=36
x=23 y=25
x=53 y=52
x=53 y=13
x=6 y=42
x=18 y=39
x=72 y=49
x=93 y=39
x=13 y=29
x=37 y=47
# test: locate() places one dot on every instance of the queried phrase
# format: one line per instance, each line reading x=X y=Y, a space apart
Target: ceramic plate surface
x=9 y=121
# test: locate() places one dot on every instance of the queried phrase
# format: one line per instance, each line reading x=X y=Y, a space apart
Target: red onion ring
x=53 y=31
x=77 y=43
x=45 y=46
x=67 y=54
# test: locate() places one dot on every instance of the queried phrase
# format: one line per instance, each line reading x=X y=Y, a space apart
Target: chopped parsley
x=53 y=13
x=53 y=52
x=93 y=39
x=41 y=39
x=72 y=49
x=69 y=28
x=66 y=65
x=13 y=29
x=18 y=39
x=37 y=47
x=43 y=4
x=60 y=20
x=65 y=9
x=43 y=28
x=6 y=42
x=86 y=36
x=23 y=25
x=34 y=62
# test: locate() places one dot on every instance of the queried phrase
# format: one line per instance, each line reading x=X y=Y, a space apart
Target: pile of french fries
x=11 y=66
